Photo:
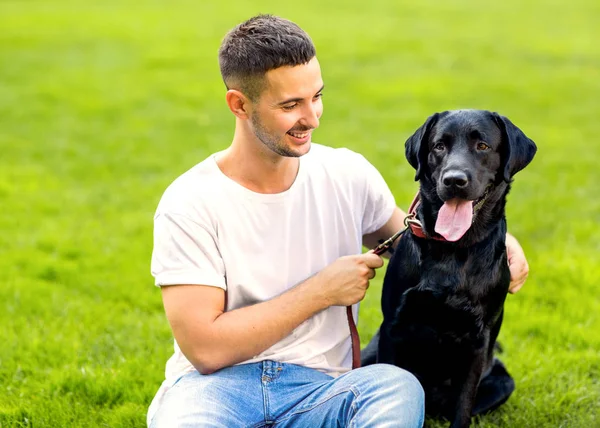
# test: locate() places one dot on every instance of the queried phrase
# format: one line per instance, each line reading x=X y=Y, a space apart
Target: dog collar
x=416 y=227
x=410 y=222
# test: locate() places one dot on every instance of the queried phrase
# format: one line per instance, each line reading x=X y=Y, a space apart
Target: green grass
x=103 y=104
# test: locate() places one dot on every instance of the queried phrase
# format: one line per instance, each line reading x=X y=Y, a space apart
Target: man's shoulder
x=197 y=184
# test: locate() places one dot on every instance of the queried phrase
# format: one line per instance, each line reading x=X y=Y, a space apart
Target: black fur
x=442 y=302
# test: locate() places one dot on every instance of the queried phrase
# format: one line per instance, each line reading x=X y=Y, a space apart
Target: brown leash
x=380 y=249
x=355 y=339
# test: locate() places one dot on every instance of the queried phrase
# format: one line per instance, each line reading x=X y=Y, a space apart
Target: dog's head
x=462 y=155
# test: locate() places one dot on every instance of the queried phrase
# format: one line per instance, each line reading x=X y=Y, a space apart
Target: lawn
x=103 y=104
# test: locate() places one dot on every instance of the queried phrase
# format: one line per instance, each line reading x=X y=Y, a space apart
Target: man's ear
x=517 y=149
x=417 y=145
x=238 y=103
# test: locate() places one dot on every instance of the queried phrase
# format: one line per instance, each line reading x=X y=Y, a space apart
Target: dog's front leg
x=466 y=385
x=385 y=348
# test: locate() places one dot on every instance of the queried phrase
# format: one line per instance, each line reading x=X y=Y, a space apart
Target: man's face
x=289 y=109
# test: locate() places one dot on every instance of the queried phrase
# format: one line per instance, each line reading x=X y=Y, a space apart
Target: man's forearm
x=239 y=335
x=393 y=225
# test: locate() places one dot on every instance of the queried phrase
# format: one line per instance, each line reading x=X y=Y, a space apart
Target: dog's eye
x=482 y=146
x=439 y=147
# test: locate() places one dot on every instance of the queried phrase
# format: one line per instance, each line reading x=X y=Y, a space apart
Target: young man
x=257 y=251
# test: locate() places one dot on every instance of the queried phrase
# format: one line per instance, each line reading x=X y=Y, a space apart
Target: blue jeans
x=270 y=393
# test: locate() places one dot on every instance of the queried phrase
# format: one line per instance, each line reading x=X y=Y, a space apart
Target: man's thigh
x=248 y=395
x=379 y=395
x=231 y=397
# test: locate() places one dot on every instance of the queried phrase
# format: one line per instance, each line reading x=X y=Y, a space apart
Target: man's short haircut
x=260 y=44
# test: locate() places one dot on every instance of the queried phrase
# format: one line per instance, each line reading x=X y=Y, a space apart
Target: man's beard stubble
x=272 y=142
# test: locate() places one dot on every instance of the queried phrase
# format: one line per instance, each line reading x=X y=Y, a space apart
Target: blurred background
x=103 y=104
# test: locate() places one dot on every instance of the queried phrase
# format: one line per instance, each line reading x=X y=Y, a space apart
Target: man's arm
x=393 y=225
x=211 y=338
x=517 y=262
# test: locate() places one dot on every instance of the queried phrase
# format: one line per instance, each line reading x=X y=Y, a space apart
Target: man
x=257 y=251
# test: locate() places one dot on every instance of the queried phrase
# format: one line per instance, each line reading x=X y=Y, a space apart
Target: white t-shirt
x=210 y=230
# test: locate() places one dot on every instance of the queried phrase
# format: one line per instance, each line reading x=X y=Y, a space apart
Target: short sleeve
x=379 y=200
x=185 y=252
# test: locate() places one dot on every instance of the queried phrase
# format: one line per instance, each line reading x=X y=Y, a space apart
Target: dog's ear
x=416 y=146
x=518 y=150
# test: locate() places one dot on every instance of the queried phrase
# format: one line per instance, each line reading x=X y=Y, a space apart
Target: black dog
x=445 y=286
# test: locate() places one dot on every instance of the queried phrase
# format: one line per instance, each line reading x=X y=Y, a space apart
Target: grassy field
x=103 y=104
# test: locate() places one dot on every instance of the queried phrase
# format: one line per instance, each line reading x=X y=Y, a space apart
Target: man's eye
x=439 y=147
x=482 y=146
x=289 y=107
x=318 y=96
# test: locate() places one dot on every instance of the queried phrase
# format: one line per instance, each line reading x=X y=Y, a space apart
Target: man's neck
x=254 y=166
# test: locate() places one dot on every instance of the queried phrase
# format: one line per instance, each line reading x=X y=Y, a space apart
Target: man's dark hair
x=260 y=44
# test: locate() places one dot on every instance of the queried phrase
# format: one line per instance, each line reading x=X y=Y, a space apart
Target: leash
x=379 y=250
x=354 y=337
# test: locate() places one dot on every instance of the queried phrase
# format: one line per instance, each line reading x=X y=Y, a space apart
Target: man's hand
x=347 y=279
x=517 y=263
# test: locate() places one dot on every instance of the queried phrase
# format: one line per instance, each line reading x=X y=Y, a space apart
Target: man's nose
x=312 y=114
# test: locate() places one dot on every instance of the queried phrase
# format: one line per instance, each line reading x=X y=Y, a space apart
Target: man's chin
x=294 y=150
x=288 y=148
x=303 y=149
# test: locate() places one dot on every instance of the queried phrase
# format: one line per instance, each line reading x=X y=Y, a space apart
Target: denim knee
x=399 y=391
x=386 y=396
x=406 y=381
x=393 y=374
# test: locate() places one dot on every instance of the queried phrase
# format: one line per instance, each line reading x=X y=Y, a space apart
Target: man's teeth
x=297 y=135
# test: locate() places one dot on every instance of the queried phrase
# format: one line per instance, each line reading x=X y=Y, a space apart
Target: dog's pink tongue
x=454 y=219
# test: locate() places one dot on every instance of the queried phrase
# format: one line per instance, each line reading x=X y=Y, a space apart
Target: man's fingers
x=514 y=287
x=372 y=260
x=519 y=270
x=372 y=273
x=517 y=263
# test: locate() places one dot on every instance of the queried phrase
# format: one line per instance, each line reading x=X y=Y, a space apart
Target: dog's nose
x=455 y=179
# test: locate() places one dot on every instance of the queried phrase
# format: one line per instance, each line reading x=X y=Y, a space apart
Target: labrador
x=446 y=283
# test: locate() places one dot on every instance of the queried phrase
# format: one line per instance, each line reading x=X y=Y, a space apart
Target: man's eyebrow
x=297 y=99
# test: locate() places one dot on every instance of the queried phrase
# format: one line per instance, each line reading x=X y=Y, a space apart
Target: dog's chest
x=474 y=271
